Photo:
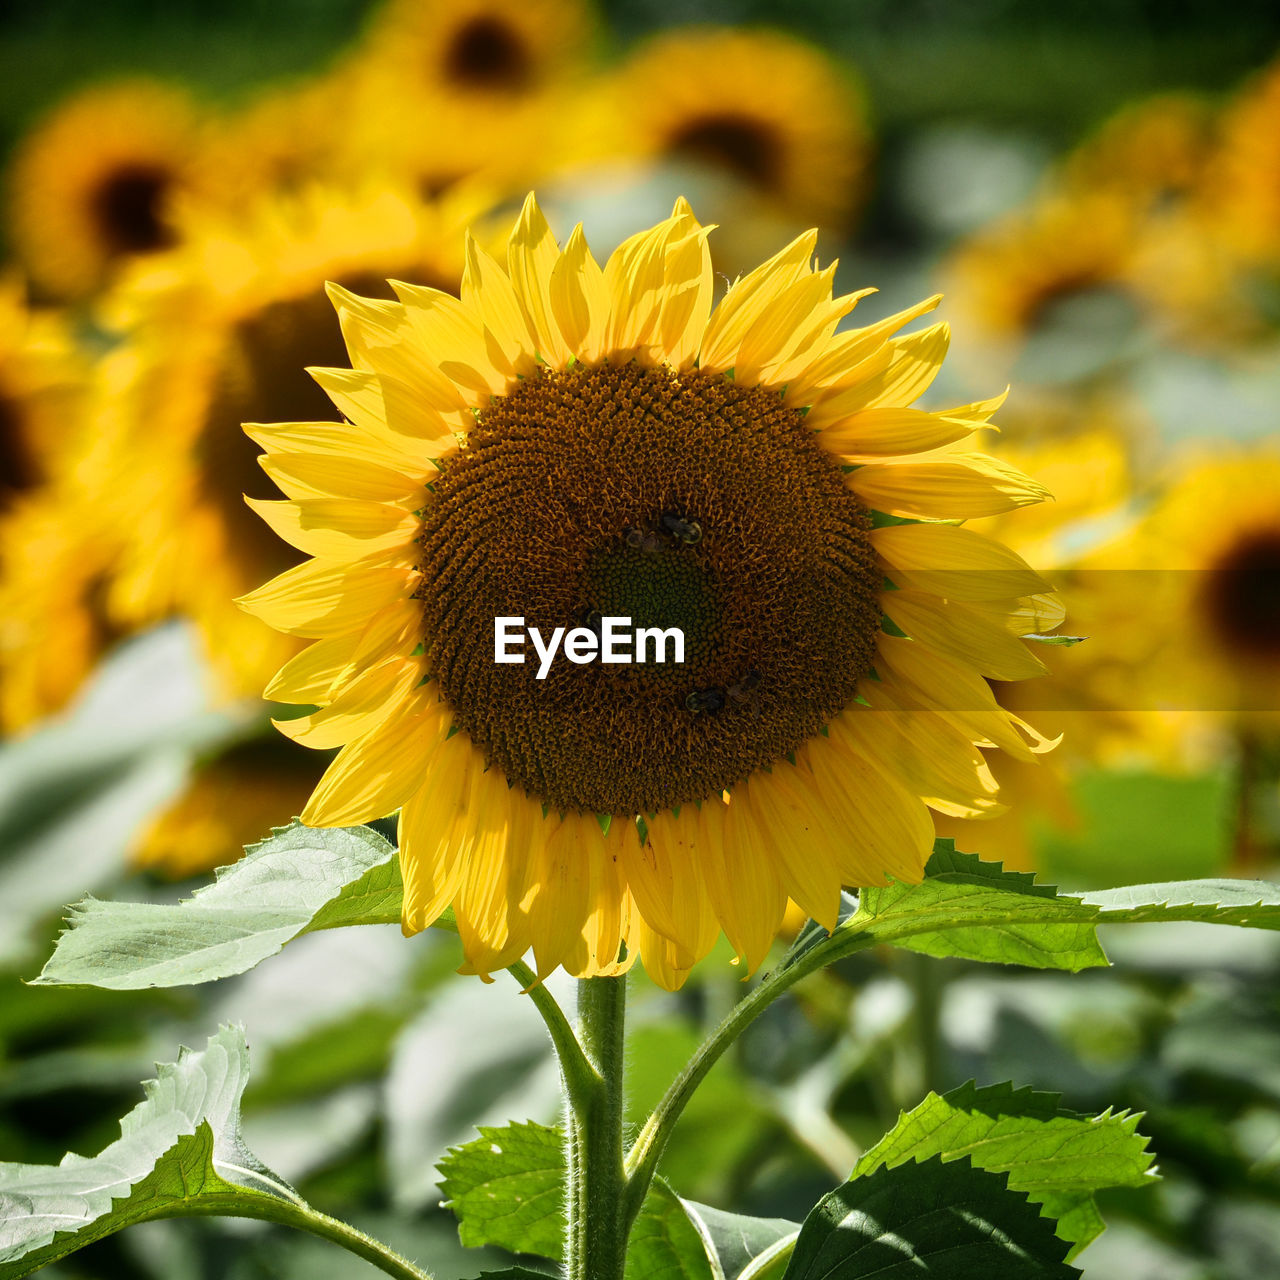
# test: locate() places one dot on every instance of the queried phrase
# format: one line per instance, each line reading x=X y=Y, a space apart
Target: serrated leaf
x=1250 y=904
x=948 y=1221
x=664 y=1243
x=1059 y=1158
x=297 y=880
x=735 y=1242
x=977 y=910
x=506 y=1188
x=179 y=1152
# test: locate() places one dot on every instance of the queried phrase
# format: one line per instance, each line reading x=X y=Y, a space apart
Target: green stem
x=598 y=1227
x=642 y=1159
x=580 y=1078
x=925 y=977
x=290 y=1213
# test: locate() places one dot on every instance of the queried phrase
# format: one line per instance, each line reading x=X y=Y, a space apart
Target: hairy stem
x=292 y=1213
x=598 y=1225
x=642 y=1160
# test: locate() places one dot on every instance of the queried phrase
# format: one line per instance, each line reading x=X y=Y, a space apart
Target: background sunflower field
x=1096 y=191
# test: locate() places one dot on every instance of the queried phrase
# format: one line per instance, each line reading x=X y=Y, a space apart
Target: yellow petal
x=952 y=562
x=686 y=301
x=877 y=433
x=580 y=300
x=887 y=830
x=435 y=832
x=965 y=635
x=320 y=599
x=342 y=440
x=337 y=529
x=310 y=675
x=359 y=708
x=374 y=775
x=837 y=366
x=561 y=895
x=532 y=254
x=310 y=475
x=749 y=298
x=957 y=486
x=742 y=879
x=913 y=363
x=924 y=680
x=488 y=292
x=931 y=757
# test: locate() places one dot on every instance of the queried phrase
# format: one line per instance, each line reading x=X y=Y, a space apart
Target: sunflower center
x=487 y=54
x=129 y=209
x=744 y=146
x=1242 y=596
x=675 y=500
x=18 y=469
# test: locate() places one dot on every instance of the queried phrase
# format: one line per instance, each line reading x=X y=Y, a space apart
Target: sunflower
x=42 y=383
x=229 y=803
x=1210 y=550
x=483 y=50
x=770 y=111
x=1010 y=276
x=1243 y=184
x=171 y=462
x=96 y=183
x=568 y=443
x=53 y=621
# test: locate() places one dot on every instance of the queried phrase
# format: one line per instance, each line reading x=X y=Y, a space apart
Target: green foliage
x=507 y=1188
x=665 y=1244
x=978 y=911
x=179 y=1153
x=1059 y=1158
x=950 y=1220
x=297 y=880
x=739 y=1246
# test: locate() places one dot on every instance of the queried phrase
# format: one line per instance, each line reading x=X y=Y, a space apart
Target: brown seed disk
x=1241 y=597
x=539 y=516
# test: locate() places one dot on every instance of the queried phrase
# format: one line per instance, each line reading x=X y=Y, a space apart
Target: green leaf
x=1252 y=904
x=507 y=1189
x=736 y=1244
x=978 y=911
x=179 y=1153
x=949 y=1221
x=297 y=880
x=664 y=1243
x=1051 y=638
x=1059 y=1158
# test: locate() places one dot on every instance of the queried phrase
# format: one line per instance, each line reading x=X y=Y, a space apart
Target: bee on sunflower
x=500 y=453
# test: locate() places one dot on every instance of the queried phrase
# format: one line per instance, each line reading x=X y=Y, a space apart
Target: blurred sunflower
x=229 y=803
x=1243 y=184
x=1010 y=275
x=769 y=110
x=172 y=463
x=42 y=383
x=53 y=622
x=1211 y=549
x=495 y=50
x=540 y=448
x=96 y=183
x=1081 y=454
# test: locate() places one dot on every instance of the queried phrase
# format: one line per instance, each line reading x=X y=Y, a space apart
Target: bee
x=687 y=531
x=709 y=700
x=639 y=540
x=592 y=619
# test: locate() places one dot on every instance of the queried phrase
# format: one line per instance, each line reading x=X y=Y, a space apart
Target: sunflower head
x=97 y=183
x=569 y=446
